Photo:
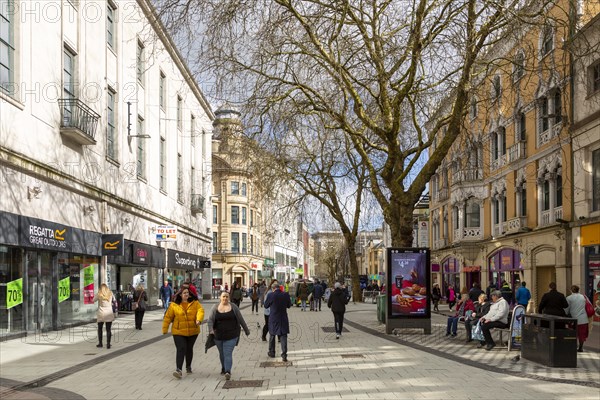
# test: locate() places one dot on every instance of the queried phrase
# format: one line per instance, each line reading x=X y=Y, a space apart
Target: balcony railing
x=498 y=162
x=516 y=152
x=442 y=194
x=440 y=243
x=549 y=217
x=516 y=224
x=197 y=203
x=467 y=175
x=78 y=122
x=500 y=229
x=468 y=234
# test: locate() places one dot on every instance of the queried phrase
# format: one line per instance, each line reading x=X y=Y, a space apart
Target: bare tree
x=374 y=70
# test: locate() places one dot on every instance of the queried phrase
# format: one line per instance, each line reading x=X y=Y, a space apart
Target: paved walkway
x=365 y=363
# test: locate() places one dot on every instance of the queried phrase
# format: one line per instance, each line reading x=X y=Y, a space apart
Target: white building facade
x=103 y=131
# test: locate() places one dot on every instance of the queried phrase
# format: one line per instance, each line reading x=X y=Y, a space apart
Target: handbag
x=136 y=304
x=589 y=308
x=477 y=332
x=115 y=305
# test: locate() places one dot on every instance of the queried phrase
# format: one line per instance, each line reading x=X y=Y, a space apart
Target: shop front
x=49 y=273
x=506 y=265
x=186 y=267
x=450 y=275
x=472 y=275
x=140 y=264
x=590 y=241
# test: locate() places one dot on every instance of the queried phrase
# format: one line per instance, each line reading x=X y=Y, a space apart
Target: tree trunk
x=401 y=224
x=356 y=292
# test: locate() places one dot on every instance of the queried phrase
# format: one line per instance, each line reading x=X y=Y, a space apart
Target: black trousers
x=185 y=349
x=338 y=318
x=108 y=332
x=485 y=328
x=139 y=317
x=282 y=341
x=265 y=327
x=255 y=304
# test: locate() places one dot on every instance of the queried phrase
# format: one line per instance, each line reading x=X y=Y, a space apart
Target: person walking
x=141 y=298
x=166 y=292
x=267 y=313
x=523 y=295
x=553 y=302
x=436 y=295
x=262 y=290
x=279 y=325
x=254 y=296
x=337 y=302
x=225 y=321
x=302 y=294
x=186 y=314
x=104 y=314
x=576 y=309
x=451 y=296
x=317 y=295
x=236 y=294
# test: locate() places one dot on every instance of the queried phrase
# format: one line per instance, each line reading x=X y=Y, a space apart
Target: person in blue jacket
x=523 y=295
x=317 y=295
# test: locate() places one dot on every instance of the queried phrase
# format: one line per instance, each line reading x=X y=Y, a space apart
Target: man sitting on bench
x=497 y=317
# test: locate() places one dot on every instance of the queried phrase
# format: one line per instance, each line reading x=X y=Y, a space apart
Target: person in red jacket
x=465 y=304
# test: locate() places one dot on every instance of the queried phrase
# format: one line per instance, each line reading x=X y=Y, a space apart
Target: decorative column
x=551 y=177
x=540 y=199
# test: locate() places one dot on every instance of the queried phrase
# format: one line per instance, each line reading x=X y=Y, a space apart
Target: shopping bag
x=477 y=332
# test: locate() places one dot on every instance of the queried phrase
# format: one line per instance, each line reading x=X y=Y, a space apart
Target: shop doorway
x=544 y=275
x=39 y=291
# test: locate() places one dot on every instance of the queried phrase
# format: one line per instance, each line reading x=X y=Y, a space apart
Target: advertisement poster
x=141 y=278
x=64 y=289
x=14 y=293
x=408 y=283
x=88 y=285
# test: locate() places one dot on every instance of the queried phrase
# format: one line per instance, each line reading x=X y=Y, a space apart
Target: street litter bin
x=550 y=340
x=381 y=308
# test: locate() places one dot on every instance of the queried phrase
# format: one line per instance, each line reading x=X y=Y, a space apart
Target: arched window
x=518 y=66
x=472 y=214
x=547 y=40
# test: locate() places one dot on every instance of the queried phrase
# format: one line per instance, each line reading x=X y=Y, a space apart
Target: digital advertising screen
x=408 y=281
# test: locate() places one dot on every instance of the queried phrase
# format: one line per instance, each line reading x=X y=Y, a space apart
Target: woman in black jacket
x=337 y=302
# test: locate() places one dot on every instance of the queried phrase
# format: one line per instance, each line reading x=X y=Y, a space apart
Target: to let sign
x=166 y=233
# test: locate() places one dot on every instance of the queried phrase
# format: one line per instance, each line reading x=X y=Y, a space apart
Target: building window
x=141 y=159
x=518 y=66
x=139 y=63
x=68 y=84
x=111 y=11
x=179 y=178
x=596 y=180
x=179 y=112
x=193 y=130
x=235 y=214
x=244 y=215
x=251 y=244
x=594 y=77
x=547 y=40
x=162 y=157
x=472 y=214
x=244 y=243
x=215 y=214
x=546 y=195
x=455 y=218
x=521 y=199
x=235 y=242
x=559 y=190
x=557 y=106
x=161 y=90
x=496 y=88
x=543 y=122
x=473 y=108
x=521 y=126
x=243 y=189
x=111 y=148
x=235 y=187
x=251 y=217
x=215 y=247
x=7 y=47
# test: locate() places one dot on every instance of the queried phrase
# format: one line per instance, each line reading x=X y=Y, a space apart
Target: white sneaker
x=337 y=336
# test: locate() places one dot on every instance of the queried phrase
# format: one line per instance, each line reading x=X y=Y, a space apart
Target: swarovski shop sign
x=180 y=260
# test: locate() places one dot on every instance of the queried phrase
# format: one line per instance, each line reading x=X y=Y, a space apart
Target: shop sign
x=187 y=261
x=166 y=233
x=299 y=271
x=269 y=262
x=141 y=278
x=472 y=268
x=113 y=245
x=14 y=293
x=64 y=289
x=141 y=254
x=590 y=235
x=88 y=285
x=45 y=234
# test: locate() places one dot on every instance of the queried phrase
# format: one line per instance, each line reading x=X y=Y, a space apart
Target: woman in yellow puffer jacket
x=186 y=314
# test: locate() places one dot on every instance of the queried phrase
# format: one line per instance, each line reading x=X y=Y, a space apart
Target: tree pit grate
x=352 y=356
x=331 y=329
x=276 y=364
x=242 y=384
